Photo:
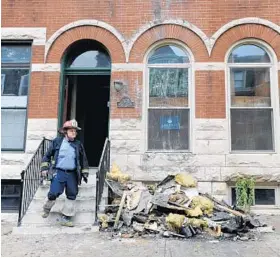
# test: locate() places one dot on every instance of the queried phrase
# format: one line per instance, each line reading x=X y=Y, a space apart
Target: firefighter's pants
x=68 y=181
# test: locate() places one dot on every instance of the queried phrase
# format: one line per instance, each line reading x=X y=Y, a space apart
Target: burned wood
x=236 y=213
x=120 y=210
x=213 y=199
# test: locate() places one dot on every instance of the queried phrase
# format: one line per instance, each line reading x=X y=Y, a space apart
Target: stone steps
x=82 y=205
x=85 y=191
x=33 y=223
x=35 y=218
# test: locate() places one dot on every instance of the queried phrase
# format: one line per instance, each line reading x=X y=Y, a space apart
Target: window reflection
x=168 y=55
x=91 y=59
x=248 y=54
x=15 y=54
x=250 y=87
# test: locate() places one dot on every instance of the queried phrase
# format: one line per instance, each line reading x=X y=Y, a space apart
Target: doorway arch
x=85 y=94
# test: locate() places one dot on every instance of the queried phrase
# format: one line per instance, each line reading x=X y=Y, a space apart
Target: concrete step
x=54 y=230
x=35 y=218
x=85 y=192
x=89 y=191
x=82 y=205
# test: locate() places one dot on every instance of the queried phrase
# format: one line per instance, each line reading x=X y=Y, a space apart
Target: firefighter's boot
x=66 y=221
x=68 y=212
x=47 y=208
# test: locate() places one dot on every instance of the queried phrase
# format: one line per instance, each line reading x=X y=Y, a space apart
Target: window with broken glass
x=15 y=69
x=251 y=109
x=168 y=99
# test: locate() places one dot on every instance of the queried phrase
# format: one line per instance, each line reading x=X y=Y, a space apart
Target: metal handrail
x=30 y=178
x=103 y=168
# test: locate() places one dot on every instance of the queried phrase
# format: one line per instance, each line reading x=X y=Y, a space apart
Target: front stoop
x=84 y=220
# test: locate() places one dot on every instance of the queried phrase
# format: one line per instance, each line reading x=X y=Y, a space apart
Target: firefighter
x=65 y=164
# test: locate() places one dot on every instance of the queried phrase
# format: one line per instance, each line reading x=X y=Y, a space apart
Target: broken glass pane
x=251 y=129
x=15 y=82
x=168 y=129
x=168 y=55
x=250 y=87
x=168 y=87
x=248 y=54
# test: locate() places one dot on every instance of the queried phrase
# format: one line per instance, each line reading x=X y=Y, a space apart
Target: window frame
x=146 y=107
x=259 y=206
x=273 y=93
x=27 y=43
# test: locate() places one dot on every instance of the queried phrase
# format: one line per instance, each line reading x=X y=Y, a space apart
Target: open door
x=86 y=94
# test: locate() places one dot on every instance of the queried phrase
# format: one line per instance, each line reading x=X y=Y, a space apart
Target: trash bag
x=117 y=175
x=204 y=203
x=185 y=179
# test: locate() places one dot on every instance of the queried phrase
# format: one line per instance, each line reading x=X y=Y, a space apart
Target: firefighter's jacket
x=50 y=158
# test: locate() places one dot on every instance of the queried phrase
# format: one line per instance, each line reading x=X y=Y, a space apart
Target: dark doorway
x=88 y=102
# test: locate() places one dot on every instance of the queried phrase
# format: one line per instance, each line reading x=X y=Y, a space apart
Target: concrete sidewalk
x=100 y=244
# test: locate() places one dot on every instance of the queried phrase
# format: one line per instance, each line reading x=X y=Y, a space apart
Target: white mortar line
x=127 y=67
x=45 y=68
x=206 y=66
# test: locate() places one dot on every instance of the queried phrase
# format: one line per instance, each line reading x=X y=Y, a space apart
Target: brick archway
x=101 y=35
x=246 y=31
x=165 y=32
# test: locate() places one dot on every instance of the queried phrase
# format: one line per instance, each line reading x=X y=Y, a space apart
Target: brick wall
x=210 y=94
x=127 y=18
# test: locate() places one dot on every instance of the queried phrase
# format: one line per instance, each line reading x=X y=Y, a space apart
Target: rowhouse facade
x=177 y=86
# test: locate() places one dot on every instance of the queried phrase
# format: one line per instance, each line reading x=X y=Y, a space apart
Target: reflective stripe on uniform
x=44 y=164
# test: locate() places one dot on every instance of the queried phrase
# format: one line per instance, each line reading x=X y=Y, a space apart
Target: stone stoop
x=33 y=223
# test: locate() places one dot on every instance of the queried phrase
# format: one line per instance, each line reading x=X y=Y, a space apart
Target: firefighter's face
x=71 y=133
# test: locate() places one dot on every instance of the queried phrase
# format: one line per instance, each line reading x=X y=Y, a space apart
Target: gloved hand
x=85 y=177
x=44 y=174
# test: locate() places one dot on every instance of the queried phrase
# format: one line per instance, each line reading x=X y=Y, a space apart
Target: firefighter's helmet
x=71 y=124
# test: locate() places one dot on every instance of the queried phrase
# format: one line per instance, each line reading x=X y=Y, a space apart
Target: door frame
x=80 y=71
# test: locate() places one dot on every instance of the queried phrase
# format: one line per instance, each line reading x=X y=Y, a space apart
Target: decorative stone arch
x=164 y=32
x=245 y=31
x=59 y=42
x=247 y=20
x=182 y=23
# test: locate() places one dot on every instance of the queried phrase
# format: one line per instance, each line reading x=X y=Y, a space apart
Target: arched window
x=88 y=54
x=251 y=111
x=168 y=99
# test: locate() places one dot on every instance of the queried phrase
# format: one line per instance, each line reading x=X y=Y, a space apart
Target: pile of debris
x=172 y=208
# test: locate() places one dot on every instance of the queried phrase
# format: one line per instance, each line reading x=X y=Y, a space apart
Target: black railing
x=103 y=168
x=30 y=178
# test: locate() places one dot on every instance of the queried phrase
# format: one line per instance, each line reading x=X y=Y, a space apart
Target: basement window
x=10 y=195
x=263 y=196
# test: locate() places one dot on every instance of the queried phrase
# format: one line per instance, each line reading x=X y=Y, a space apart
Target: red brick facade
x=127 y=18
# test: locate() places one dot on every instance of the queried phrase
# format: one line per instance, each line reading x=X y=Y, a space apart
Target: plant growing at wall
x=245 y=192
